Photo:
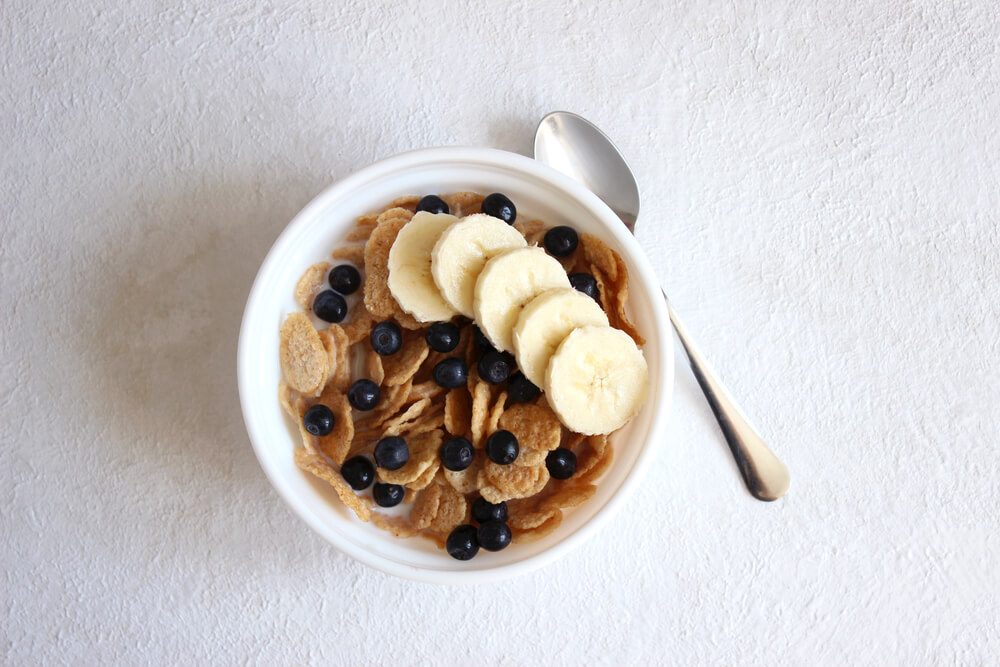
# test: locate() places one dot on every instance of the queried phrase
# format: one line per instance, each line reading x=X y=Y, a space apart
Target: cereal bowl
x=538 y=191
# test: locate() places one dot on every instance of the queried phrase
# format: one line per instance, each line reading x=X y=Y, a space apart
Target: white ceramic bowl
x=538 y=191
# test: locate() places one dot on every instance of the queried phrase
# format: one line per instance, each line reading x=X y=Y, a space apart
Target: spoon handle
x=766 y=477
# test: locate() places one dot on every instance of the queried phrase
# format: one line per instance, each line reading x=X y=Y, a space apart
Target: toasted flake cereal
x=409 y=202
x=531 y=457
x=429 y=389
x=378 y=300
x=573 y=440
x=516 y=481
x=310 y=284
x=287 y=400
x=534 y=426
x=529 y=227
x=451 y=510
x=525 y=513
x=397 y=525
x=432 y=419
x=425 y=478
x=599 y=466
x=466 y=481
x=480 y=412
x=360 y=233
x=464 y=203
x=611 y=274
x=458 y=412
x=571 y=494
x=337 y=347
x=403 y=365
x=337 y=443
x=360 y=326
x=495 y=412
x=373 y=366
x=396 y=425
x=304 y=360
x=353 y=253
x=423 y=453
x=315 y=464
x=393 y=398
x=537 y=533
x=425 y=507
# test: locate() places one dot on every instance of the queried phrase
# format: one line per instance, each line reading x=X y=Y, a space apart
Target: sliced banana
x=545 y=322
x=461 y=252
x=597 y=380
x=506 y=284
x=410 y=279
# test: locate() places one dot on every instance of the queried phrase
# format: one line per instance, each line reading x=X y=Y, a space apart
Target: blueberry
x=584 y=282
x=502 y=447
x=358 y=472
x=386 y=338
x=483 y=343
x=561 y=463
x=451 y=373
x=443 y=337
x=391 y=453
x=561 y=241
x=495 y=367
x=345 y=279
x=318 y=420
x=433 y=204
x=330 y=306
x=521 y=390
x=456 y=454
x=493 y=535
x=364 y=394
x=499 y=206
x=387 y=495
x=483 y=511
x=462 y=543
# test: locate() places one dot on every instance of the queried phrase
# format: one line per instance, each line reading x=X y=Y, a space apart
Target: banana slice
x=410 y=279
x=545 y=322
x=506 y=284
x=597 y=380
x=462 y=251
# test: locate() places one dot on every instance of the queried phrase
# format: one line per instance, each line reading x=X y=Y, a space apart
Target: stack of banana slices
x=440 y=266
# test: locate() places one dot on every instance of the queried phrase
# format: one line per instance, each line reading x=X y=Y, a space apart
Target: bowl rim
x=624 y=239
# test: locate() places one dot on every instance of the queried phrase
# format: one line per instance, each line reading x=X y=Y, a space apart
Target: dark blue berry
x=386 y=338
x=493 y=535
x=499 y=206
x=584 y=282
x=483 y=511
x=318 y=420
x=330 y=306
x=495 y=367
x=443 y=336
x=451 y=373
x=561 y=463
x=502 y=447
x=364 y=394
x=561 y=241
x=456 y=454
x=433 y=204
x=387 y=495
x=391 y=453
x=358 y=472
x=462 y=543
x=483 y=343
x=345 y=279
x=521 y=390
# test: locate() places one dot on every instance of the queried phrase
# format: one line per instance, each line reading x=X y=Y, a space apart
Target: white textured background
x=821 y=195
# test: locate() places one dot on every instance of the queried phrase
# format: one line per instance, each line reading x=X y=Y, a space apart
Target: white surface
x=820 y=196
x=538 y=192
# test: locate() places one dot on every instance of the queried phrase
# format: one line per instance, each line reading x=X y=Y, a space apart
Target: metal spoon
x=577 y=148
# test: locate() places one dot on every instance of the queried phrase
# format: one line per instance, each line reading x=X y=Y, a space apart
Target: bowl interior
x=537 y=192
